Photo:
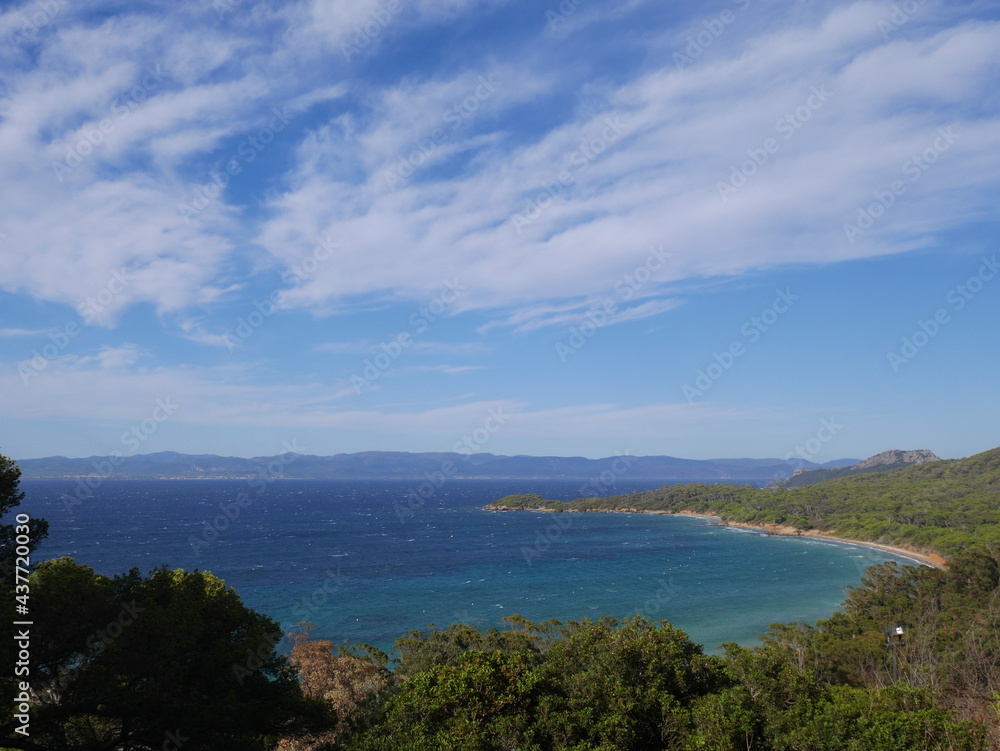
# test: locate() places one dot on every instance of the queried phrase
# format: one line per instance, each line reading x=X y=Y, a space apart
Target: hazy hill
x=403 y=465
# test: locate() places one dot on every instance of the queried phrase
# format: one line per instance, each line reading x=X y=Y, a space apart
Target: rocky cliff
x=907 y=458
x=887 y=460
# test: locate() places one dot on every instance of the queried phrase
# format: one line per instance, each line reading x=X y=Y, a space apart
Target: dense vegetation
x=139 y=662
x=943 y=507
x=637 y=686
x=813 y=476
x=10 y=497
x=173 y=660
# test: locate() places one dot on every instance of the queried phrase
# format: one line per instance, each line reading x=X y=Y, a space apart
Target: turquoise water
x=348 y=557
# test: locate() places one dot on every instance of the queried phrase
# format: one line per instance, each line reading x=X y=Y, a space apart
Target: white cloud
x=362 y=25
x=470 y=209
x=601 y=312
x=97 y=137
x=541 y=195
x=446 y=369
x=667 y=140
x=427 y=347
x=23 y=332
x=112 y=386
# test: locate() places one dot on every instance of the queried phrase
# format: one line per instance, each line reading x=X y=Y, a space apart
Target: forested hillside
x=883 y=462
x=941 y=507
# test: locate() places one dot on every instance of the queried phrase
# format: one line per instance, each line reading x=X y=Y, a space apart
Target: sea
x=369 y=561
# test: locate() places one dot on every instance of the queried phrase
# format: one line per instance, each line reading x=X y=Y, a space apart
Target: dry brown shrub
x=351 y=685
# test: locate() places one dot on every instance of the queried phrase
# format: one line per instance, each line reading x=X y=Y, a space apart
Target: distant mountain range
x=403 y=465
x=887 y=460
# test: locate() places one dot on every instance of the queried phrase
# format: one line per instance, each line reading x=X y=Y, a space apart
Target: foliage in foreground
x=169 y=660
x=37 y=529
x=633 y=685
x=636 y=685
x=188 y=659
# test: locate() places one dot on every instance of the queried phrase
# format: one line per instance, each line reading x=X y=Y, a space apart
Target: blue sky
x=728 y=229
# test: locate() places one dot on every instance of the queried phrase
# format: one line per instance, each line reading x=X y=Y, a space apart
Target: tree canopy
x=10 y=498
x=134 y=661
x=639 y=686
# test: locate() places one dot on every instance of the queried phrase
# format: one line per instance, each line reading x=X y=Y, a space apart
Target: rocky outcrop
x=887 y=460
x=896 y=457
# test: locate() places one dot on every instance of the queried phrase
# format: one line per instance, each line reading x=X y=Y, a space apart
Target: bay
x=355 y=560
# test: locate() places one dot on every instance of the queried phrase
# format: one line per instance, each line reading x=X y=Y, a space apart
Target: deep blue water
x=340 y=555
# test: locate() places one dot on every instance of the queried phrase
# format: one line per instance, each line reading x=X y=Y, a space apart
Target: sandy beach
x=922 y=557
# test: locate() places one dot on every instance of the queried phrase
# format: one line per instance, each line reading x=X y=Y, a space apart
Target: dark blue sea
x=352 y=558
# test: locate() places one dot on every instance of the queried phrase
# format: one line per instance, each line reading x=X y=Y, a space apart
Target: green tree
x=626 y=685
x=169 y=660
x=480 y=702
x=10 y=498
x=422 y=651
x=777 y=706
x=898 y=718
x=605 y=686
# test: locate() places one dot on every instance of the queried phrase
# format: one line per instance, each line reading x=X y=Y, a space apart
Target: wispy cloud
x=24 y=332
x=427 y=347
x=446 y=369
x=170 y=168
x=606 y=310
x=864 y=107
x=111 y=387
x=640 y=163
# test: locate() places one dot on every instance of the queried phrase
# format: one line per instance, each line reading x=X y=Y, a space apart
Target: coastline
x=924 y=558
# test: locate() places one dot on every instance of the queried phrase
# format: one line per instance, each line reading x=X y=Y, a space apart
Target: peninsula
x=928 y=511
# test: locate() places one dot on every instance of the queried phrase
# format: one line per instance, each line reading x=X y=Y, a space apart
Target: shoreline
x=923 y=558
x=926 y=559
